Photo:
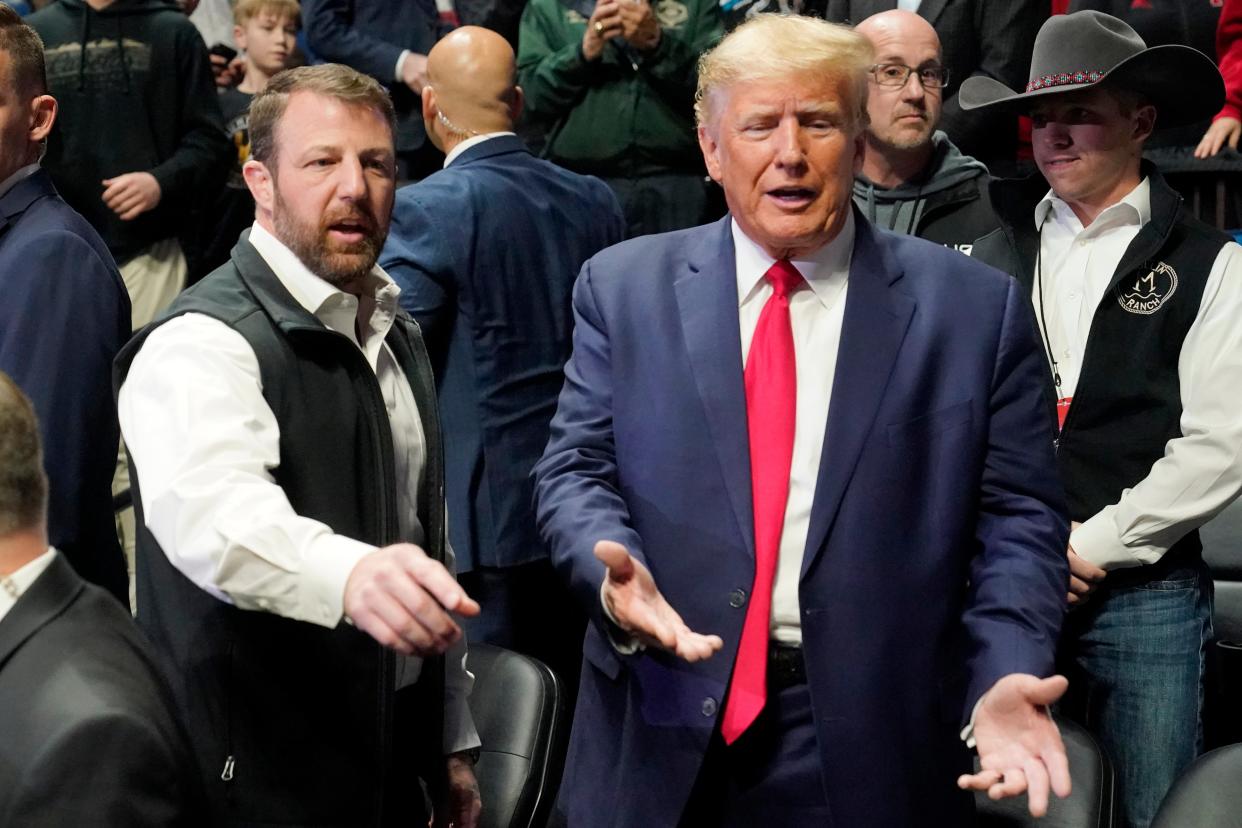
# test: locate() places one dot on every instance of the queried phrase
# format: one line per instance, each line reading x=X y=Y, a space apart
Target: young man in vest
x=1137 y=303
x=281 y=422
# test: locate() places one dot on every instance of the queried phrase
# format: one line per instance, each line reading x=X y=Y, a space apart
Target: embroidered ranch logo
x=1147 y=294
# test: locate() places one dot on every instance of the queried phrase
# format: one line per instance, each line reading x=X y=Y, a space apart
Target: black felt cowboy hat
x=1087 y=48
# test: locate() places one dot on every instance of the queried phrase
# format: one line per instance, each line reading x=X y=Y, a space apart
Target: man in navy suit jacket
x=486 y=252
x=64 y=315
x=389 y=41
x=887 y=417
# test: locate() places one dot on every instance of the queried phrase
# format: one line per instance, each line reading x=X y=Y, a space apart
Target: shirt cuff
x=397 y=76
x=968 y=732
x=459 y=730
x=1096 y=541
x=327 y=566
x=623 y=642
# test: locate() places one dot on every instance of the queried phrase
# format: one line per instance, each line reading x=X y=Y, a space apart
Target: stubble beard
x=338 y=264
x=903 y=140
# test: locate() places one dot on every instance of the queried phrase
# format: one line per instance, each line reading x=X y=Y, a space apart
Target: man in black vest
x=293 y=569
x=1137 y=304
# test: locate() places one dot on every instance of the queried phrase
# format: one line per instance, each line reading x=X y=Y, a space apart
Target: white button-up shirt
x=816 y=313
x=1201 y=471
x=205 y=442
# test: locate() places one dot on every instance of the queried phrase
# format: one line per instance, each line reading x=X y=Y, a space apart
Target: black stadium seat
x=519 y=707
x=1090 y=805
x=1222 y=549
x=1207 y=795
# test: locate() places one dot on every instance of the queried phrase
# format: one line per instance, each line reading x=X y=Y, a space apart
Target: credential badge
x=1147 y=294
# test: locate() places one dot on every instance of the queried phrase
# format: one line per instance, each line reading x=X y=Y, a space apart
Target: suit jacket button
x=709 y=706
x=737 y=598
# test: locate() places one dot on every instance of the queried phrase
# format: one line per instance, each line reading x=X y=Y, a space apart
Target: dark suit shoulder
x=651 y=259
x=51 y=226
x=90 y=658
x=90 y=733
x=933 y=266
x=479 y=176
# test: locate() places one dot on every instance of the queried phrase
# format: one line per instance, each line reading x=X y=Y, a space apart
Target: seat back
x=1222 y=720
x=518 y=705
x=1209 y=793
x=1090 y=805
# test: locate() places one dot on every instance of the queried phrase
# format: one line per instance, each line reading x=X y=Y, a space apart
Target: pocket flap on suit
x=602 y=655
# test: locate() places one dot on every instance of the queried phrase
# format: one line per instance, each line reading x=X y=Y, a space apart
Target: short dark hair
x=1128 y=100
x=23 y=484
x=331 y=80
x=25 y=50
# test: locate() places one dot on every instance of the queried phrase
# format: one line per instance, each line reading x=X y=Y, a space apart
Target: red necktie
x=771 y=402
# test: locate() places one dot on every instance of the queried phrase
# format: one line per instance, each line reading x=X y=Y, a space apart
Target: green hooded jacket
x=627 y=114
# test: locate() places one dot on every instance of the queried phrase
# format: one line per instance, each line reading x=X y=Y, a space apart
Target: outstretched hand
x=1019 y=746
x=637 y=606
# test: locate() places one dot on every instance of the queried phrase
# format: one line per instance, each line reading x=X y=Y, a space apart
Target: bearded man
x=293 y=572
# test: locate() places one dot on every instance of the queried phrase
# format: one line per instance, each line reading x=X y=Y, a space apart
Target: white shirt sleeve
x=204 y=443
x=400 y=65
x=1201 y=471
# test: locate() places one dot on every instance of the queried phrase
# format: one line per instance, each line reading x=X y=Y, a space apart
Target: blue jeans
x=1134 y=656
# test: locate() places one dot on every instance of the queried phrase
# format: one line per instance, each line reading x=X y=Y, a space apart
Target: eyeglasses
x=895 y=75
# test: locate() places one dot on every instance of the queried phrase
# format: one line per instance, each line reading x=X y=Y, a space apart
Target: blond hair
x=246 y=10
x=779 y=46
x=331 y=80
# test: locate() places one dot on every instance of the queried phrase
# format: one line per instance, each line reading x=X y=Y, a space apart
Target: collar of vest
x=275 y=299
x=1014 y=201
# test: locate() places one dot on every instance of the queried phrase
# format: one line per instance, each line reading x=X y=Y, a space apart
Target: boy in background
x=266 y=31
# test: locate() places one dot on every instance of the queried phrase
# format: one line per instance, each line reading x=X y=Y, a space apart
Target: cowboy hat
x=1087 y=48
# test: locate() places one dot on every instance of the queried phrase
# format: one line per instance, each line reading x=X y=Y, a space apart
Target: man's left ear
x=711 y=153
x=515 y=106
x=1144 y=122
x=860 y=147
x=42 y=117
x=259 y=180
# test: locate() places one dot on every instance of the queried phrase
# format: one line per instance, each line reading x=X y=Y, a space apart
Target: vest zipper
x=227 y=775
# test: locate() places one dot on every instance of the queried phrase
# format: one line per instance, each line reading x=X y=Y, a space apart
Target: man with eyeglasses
x=914 y=180
x=985 y=38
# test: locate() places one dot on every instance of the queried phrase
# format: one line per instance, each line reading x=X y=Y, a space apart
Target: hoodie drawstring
x=120 y=51
x=86 y=34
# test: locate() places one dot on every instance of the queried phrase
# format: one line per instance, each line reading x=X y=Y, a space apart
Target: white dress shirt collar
x=372 y=314
x=825 y=270
x=470 y=142
x=1133 y=208
x=13 y=586
x=18 y=177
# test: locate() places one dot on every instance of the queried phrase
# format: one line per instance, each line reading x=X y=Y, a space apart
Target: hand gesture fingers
x=402 y=599
x=693 y=646
x=1019 y=746
x=638 y=607
x=435 y=579
x=388 y=622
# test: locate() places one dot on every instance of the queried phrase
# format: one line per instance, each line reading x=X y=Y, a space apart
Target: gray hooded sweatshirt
x=900 y=208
